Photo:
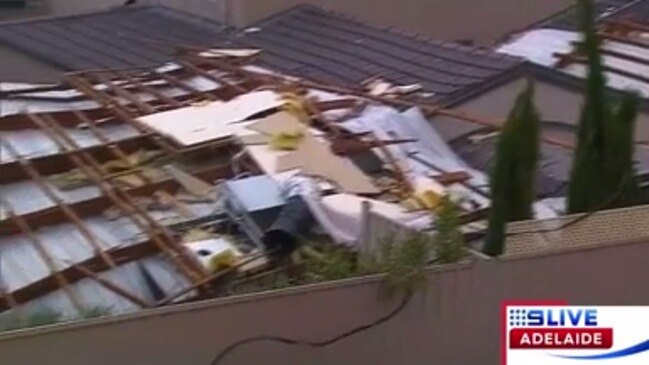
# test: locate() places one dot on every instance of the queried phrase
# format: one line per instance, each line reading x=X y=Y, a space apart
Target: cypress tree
x=587 y=188
x=602 y=175
x=513 y=176
x=626 y=190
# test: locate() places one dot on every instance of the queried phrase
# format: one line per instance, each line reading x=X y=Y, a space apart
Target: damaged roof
x=117 y=165
x=100 y=203
x=477 y=146
x=624 y=49
x=304 y=41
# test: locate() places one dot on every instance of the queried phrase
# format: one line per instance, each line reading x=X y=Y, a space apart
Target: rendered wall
x=456 y=321
x=554 y=103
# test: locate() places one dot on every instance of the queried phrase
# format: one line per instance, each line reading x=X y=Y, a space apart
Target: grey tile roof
x=305 y=41
x=312 y=42
x=120 y=37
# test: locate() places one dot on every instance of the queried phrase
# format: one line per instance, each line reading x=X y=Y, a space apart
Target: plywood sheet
x=312 y=156
x=315 y=158
x=212 y=121
x=281 y=122
x=253 y=139
x=272 y=162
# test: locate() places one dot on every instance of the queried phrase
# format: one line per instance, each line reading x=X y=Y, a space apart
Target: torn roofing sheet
x=541 y=46
x=429 y=150
x=430 y=155
x=27 y=197
x=93 y=296
x=21 y=265
x=32 y=143
x=20 y=99
x=10 y=107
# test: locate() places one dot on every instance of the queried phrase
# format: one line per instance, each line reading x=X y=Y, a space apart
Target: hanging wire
x=313 y=344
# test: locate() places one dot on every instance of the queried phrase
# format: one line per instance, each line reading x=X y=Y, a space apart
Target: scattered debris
x=286 y=141
x=196 y=234
x=343 y=146
x=193 y=185
x=234 y=184
x=132 y=172
x=450 y=178
x=478 y=138
x=229 y=53
x=252 y=30
x=215 y=254
x=379 y=87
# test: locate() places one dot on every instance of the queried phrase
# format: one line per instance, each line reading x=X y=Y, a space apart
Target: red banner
x=561 y=338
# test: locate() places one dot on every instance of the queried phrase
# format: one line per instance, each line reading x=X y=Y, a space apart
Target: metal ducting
x=294 y=221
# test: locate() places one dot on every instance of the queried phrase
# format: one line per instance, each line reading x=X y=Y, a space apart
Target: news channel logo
x=555 y=334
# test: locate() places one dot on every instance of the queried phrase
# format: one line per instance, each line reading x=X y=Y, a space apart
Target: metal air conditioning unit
x=254 y=204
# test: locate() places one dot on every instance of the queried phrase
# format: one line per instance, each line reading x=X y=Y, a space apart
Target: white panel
x=202 y=123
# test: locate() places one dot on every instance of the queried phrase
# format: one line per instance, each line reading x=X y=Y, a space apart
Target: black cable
x=287 y=341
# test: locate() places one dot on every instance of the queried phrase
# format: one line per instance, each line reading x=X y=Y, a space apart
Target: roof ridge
x=395 y=30
x=282 y=13
x=163 y=9
x=187 y=16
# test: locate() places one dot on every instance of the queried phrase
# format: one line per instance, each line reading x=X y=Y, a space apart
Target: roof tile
x=305 y=41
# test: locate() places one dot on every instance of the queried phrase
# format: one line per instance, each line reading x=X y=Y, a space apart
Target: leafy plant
x=281 y=281
x=17 y=320
x=94 y=312
x=403 y=261
x=332 y=263
x=449 y=241
x=42 y=317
